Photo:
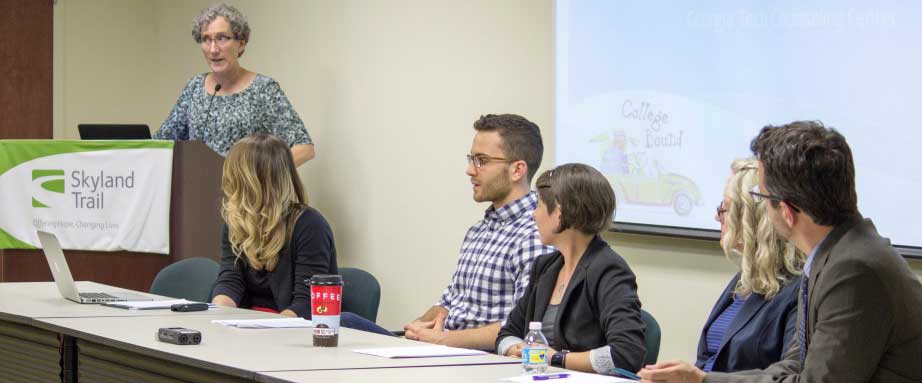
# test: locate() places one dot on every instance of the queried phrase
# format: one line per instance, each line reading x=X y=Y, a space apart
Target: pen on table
x=549 y=377
x=625 y=373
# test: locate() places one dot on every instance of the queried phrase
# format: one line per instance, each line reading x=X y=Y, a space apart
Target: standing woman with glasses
x=753 y=322
x=230 y=102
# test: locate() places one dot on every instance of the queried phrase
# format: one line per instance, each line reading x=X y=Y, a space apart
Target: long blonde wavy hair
x=767 y=261
x=262 y=197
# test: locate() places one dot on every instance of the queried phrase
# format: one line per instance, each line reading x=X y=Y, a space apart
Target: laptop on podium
x=114 y=131
x=65 y=281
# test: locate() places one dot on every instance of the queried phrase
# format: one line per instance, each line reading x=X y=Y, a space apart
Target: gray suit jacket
x=865 y=322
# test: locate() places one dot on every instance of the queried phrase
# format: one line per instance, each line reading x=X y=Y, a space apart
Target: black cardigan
x=600 y=306
x=314 y=253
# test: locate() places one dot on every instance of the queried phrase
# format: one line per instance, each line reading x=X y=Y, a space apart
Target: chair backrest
x=190 y=278
x=361 y=292
x=653 y=335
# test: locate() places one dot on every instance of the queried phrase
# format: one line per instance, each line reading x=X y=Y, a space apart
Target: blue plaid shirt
x=496 y=258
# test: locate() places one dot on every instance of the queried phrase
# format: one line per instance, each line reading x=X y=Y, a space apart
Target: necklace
x=562 y=286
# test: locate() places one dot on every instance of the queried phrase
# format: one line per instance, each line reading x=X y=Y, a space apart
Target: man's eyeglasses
x=758 y=196
x=482 y=159
x=221 y=40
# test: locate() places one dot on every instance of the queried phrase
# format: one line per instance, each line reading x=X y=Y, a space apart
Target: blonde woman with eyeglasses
x=230 y=102
x=272 y=240
x=753 y=322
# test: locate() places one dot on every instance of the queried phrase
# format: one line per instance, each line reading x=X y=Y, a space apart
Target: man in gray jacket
x=860 y=307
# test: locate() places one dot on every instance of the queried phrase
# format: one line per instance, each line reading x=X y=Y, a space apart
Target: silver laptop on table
x=62 y=277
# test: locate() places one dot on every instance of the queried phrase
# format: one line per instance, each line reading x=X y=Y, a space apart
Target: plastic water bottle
x=534 y=354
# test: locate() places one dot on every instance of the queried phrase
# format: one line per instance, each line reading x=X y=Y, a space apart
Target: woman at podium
x=230 y=102
x=272 y=241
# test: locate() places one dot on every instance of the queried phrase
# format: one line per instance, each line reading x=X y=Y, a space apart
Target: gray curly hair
x=238 y=22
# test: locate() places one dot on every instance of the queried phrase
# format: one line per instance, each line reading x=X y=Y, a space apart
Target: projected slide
x=662 y=96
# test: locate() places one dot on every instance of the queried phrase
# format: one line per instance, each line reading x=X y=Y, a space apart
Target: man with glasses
x=497 y=252
x=860 y=307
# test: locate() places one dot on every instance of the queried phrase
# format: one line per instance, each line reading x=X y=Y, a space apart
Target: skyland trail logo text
x=89 y=189
x=85 y=189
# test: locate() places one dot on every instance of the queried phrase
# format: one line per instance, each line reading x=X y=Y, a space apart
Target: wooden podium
x=195 y=231
x=195 y=202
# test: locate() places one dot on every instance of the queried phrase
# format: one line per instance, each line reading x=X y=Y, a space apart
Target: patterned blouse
x=221 y=121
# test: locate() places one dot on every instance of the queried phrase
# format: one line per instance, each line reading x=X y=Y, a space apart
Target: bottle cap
x=534 y=326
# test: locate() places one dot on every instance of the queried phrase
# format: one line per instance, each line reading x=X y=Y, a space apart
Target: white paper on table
x=418 y=352
x=573 y=377
x=265 y=323
x=146 y=305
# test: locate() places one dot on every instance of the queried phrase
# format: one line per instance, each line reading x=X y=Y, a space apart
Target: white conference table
x=444 y=374
x=119 y=345
x=28 y=353
x=23 y=302
x=235 y=351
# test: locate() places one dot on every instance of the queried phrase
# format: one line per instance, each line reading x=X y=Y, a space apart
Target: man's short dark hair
x=586 y=199
x=809 y=166
x=521 y=138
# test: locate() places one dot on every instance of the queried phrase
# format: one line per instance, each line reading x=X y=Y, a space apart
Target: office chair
x=361 y=293
x=653 y=335
x=191 y=278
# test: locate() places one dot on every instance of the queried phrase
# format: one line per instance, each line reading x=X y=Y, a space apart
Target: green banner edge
x=27 y=150
x=8 y=241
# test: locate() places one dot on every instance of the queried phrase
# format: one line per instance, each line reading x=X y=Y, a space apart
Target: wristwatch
x=559 y=359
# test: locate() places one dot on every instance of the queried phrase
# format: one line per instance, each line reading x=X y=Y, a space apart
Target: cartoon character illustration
x=614 y=159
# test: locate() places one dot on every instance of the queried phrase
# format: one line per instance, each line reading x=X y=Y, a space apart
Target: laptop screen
x=58 y=265
x=114 y=131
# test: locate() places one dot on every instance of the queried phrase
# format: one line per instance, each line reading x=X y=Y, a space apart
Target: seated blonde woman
x=272 y=240
x=584 y=294
x=753 y=321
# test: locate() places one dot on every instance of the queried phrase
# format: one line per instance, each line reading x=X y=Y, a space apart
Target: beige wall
x=389 y=90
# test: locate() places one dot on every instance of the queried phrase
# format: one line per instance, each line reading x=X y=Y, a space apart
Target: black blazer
x=600 y=306
x=310 y=251
x=760 y=333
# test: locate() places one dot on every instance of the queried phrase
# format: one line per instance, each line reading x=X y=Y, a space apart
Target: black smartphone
x=186 y=307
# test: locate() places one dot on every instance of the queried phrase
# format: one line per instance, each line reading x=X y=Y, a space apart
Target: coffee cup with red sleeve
x=326 y=303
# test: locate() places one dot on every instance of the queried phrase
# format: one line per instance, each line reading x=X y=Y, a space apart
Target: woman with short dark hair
x=584 y=294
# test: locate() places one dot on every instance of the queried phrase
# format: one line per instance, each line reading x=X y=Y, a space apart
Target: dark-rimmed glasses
x=720 y=212
x=482 y=159
x=222 y=40
x=758 y=196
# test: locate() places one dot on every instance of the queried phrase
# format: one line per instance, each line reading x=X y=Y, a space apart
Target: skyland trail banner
x=94 y=195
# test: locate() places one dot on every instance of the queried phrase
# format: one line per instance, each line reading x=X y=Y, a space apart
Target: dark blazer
x=600 y=306
x=310 y=251
x=865 y=316
x=760 y=333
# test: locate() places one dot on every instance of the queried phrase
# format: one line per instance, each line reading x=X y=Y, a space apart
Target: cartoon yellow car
x=656 y=187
